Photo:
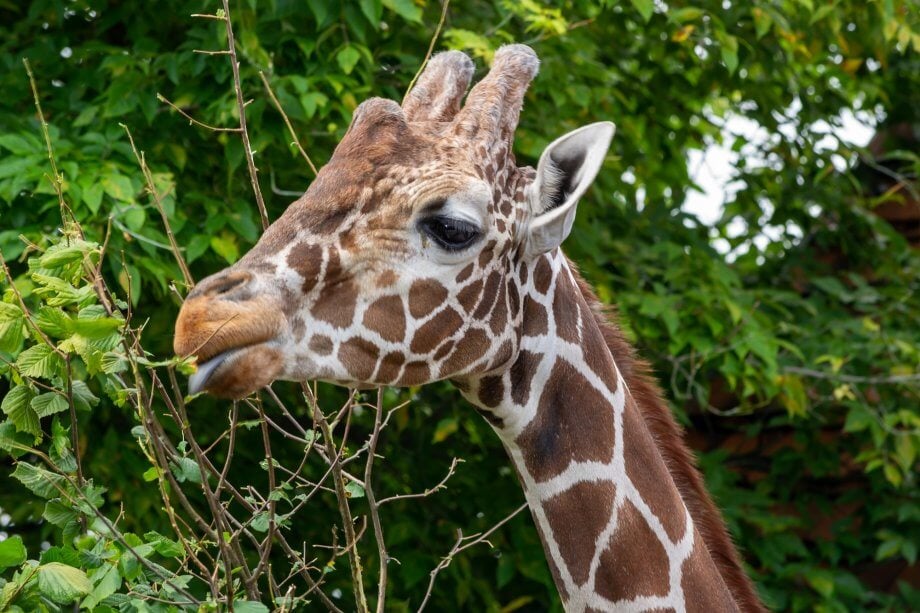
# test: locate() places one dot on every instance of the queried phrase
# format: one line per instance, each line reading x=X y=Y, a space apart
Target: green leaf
x=186 y=469
x=354 y=490
x=225 y=246
x=405 y=9
x=39 y=481
x=14 y=442
x=17 y=145
x=685 y=14
x=118 y=187
x=83 y=398
x=645 y=7
x=730 y=53
x=58 y=513
x=348 y=58
x=12 y=552
x=49 y=403
x=39 y=361
x=444 y=429
x=61 y=583
x=11 y=320
x=248 y=606
x=54 y=322
x=92 y=196
x=373 y=10
x=260 y=522
x=17 y=406
x=107 y=585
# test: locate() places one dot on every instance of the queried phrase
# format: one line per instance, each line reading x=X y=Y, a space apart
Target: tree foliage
x=785 y=334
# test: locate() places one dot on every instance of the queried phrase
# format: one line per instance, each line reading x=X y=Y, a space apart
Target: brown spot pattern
x=535 y=320
x=542 y=275
x=389 y=367
x=491 y=391
x=573 y=423
x=321 y=344
x=577 y=517
x=469 y=295
x=387 y=318
x=359 y=356
x=643 y=465
x=522 y=372
x=336 y=304
x=469 y=349
x=307 y=261
x=425 y=296
x=442 y=326
x=635 y=562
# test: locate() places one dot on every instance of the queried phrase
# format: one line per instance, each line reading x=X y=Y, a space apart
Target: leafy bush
x=792 y=357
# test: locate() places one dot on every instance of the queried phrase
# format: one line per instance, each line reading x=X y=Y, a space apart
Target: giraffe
x=422 y=252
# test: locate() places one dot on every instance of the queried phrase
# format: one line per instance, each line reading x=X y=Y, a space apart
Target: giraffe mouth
x=199 y=380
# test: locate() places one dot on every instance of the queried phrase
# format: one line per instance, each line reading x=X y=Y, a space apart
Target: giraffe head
x=402 y=262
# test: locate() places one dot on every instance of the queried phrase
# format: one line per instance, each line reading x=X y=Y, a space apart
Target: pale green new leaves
x=39 y=361
x=61 y=583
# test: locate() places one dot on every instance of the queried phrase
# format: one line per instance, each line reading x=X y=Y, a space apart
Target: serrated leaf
x=186 y=469
x=83 y=398
x=14 y=442
x=64 y=555
x=39 y=361
x=11 y=320
x=48 y=403
x=61 y=583
x=105 y=586
x=12 y=552
x=58 y=513
x=39 y=481
x=17 y=406
x=54 y=322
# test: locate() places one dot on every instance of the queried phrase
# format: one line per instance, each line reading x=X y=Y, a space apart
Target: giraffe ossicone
x=422 y=252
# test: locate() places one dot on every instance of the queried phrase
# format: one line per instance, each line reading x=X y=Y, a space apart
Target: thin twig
x=158 y=202
x=434 y=40
x=463 y=543
x=241 y=105
x=191 y=119
x=287 y=122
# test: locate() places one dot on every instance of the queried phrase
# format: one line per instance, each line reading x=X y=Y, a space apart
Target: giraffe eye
x=451 y=234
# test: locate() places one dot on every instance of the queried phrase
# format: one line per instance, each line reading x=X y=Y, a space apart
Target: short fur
x=678 y=458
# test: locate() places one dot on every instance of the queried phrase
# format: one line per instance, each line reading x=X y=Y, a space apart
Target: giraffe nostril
x=223 y=285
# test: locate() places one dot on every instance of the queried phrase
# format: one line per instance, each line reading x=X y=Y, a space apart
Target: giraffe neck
x=614 y=527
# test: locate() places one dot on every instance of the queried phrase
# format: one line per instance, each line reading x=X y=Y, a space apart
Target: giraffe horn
x=492 y=109
x=437 y=94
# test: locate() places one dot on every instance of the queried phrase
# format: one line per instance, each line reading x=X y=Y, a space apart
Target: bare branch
x=244 y=134
x=463 y=543
x=287 y=122
x=191 y=119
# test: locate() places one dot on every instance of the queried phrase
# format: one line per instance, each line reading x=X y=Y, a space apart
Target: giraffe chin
x=236 y=373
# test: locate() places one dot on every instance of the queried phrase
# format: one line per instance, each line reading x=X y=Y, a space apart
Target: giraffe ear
x=566 y=170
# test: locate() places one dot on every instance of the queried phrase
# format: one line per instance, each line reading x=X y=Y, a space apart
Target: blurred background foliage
x=786 y=334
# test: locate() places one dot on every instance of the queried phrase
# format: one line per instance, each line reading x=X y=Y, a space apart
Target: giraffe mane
x=677 y=456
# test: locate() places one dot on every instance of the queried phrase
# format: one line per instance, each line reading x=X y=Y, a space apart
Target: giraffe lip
x=199 y=379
